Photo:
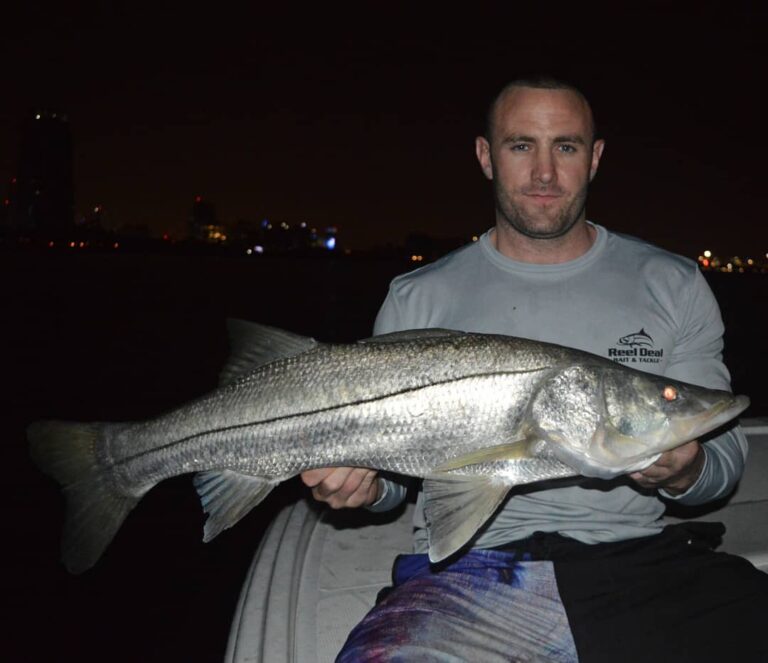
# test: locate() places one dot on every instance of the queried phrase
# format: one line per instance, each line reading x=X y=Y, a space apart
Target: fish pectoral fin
x=253 y=345
x=227 y=496
x=456 y=507
x=517 y=450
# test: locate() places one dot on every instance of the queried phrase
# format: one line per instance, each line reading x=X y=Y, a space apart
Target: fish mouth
x=691 y=428
x=685 y=429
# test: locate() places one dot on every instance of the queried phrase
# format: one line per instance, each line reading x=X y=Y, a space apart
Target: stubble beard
x=558 y=226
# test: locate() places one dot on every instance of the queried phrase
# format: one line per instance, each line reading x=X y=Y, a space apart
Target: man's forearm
x=722 y=467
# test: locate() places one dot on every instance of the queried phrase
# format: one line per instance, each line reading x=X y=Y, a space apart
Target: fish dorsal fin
x=412 y=335
x=517 y=450
x=253 y=345
x=227 y=496
x=456 y=507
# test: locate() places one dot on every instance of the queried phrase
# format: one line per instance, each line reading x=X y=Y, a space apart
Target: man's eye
x=520 y=147
x=567 y=148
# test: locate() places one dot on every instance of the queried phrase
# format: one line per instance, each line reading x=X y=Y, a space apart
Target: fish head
x=605 y=419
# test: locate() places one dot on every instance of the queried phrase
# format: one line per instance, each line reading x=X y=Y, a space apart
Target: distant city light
x=330 y=243
x=709 y=261
x=258 y=249
x=474 y=238
x=37 y=117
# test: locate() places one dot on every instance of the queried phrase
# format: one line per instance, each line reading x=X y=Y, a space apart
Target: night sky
x=365 y=118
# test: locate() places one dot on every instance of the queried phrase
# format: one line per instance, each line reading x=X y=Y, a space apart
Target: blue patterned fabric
x=486 y=606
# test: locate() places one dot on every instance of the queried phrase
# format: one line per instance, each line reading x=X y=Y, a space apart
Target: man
x=583 y=571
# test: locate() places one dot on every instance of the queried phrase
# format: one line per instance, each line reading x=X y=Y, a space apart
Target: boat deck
x=317 y=572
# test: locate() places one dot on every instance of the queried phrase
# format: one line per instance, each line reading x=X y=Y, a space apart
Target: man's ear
x=597 y=152
x=483 y=152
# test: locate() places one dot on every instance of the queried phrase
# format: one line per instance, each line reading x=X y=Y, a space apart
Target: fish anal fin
x=227 y=496
x=456 y=507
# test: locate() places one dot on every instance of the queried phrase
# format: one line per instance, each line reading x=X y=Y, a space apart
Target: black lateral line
x=330 y=408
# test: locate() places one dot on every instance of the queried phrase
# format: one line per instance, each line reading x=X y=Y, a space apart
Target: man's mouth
x=543 y=197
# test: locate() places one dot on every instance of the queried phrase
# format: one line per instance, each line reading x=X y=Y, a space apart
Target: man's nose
x=544 y=168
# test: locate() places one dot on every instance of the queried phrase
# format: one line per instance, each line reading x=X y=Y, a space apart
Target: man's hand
x=342 y=487
x=675 y=471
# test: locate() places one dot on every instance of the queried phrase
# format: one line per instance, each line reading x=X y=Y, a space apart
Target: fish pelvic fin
x=456 y=507
x=227 y=497
x=95 y=510
x=253 y=345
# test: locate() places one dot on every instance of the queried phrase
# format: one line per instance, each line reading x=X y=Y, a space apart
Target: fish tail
x=95 y=510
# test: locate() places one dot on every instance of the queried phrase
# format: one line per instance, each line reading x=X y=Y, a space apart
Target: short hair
x=539 y=82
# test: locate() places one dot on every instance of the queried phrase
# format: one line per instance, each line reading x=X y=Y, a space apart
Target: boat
x=317 y=571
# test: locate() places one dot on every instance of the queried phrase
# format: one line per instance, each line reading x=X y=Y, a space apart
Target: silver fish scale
x=403 y=406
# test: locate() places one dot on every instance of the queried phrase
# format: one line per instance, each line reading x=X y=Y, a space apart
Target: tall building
x=43 y=201
x=202 y=223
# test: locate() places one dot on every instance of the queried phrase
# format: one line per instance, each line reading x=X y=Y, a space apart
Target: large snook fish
x=473 y=414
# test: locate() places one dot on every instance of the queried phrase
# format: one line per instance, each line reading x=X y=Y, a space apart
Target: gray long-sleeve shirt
x=625 y=300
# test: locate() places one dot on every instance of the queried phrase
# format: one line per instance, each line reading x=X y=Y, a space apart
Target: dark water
x=121 y=338
x=124 y=337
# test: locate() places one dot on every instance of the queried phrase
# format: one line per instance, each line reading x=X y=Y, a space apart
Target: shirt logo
x=636 y=348
x=637 y=339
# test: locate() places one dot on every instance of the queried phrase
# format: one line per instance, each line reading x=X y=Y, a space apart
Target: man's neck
x=512 y=244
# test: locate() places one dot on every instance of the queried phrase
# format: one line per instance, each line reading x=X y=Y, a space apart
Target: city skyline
x=369 y=126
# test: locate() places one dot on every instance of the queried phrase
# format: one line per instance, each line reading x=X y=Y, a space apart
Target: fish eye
x=669 y=393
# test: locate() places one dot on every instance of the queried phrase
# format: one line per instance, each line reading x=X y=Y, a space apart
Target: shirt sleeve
x=697 y=358
x=389 y=319
x=391 y=495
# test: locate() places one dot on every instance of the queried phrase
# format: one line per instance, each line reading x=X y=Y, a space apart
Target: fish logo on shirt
x=640 y=338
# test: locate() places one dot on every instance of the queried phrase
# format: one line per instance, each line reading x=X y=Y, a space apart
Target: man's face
x=541 y=159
